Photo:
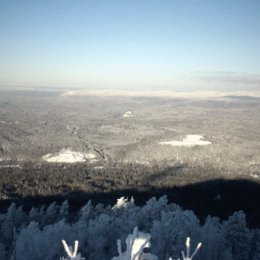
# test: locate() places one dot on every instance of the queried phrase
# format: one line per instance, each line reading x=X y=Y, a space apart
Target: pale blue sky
x=157 y=44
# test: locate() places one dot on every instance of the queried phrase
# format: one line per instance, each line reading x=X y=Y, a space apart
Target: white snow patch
x=10 y=166
x=189 y=141
x=67 y=156
x=98 y=167
x=128 y=114
x=93 y=160
x=254 y=176
x=10 y=122
x=90 y=156
x=123 y=203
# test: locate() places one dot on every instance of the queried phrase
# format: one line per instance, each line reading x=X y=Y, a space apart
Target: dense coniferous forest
x=37 y=234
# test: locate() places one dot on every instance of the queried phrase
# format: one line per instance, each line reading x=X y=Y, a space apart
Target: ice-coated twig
x=119 y=247
x=187 y=256
x=135 y=244
x=188 y=246
x=140 y=249
x=72 y=254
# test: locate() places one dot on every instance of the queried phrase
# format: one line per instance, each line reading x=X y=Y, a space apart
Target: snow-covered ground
x=73 y=129
x=161 y=93
x=189 y=141
x=68 y=156
x=90 y=156
x=128 y=114
x=99 y=167
x=4 y=122
x=10 y=166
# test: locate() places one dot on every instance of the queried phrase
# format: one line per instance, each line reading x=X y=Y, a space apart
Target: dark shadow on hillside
x=215 y=197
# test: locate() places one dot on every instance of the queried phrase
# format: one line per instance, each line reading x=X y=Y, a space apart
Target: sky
x=181 y=45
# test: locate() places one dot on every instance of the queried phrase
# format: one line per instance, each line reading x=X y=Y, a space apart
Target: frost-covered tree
x=35 y=215
x=97 y=227
x=33 y=243
x=98 y=236
x=210 y=237
x=151 y=211
x=236 y=236
x=52 y=214
x=2 y=252
x=125 y=217
x=14 y=219
x=64 y=210
x=170 y=231
x=255 y=255
x=123 y=203
x=86 y=212
x=226 y=255
x=25 y=244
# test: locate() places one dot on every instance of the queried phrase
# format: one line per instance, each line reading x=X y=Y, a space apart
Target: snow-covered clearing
x=68 y=156
x=189 y=141
x=128 y=114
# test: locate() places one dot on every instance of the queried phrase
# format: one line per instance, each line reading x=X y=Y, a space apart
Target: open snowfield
x=68 y=156
x=189 y=141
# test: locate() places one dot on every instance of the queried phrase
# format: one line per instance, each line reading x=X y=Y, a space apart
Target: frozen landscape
x=68 y=156
x=104 y=147
x=129 y=130
x=188 y=141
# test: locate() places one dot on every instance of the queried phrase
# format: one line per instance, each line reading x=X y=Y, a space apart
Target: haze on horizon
x=173 y=44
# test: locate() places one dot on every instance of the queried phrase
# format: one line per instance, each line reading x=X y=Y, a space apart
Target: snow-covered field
x=189 y=141
x=68 y=156
x=128 y=114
